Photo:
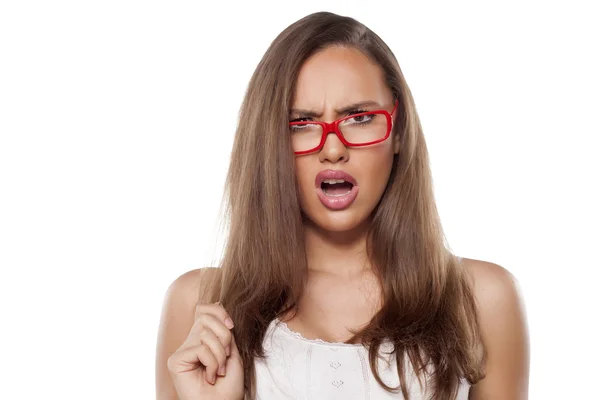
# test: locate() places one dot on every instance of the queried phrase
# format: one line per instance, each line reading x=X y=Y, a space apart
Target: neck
x=342 y=254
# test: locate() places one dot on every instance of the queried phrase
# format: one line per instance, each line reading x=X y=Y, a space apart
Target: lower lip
x=338 y=202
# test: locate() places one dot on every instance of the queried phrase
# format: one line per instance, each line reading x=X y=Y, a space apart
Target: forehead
x=337 y=76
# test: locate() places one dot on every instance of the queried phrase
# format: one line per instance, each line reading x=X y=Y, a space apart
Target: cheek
x=304 y=178
x=375 y=168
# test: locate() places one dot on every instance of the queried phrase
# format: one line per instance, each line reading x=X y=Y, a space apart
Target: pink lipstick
x=336 y=189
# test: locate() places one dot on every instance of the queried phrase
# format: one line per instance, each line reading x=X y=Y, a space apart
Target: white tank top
x=306 y=369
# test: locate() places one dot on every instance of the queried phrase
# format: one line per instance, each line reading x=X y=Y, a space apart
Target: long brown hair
x=429 y=310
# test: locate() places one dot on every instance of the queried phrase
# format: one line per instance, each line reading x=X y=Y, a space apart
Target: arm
x=505 y=334
x=177 y=318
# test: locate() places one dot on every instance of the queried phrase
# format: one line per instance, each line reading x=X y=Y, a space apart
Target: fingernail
x=229 y=322
x=222 y=370
x=218 y=302
x=228 y=350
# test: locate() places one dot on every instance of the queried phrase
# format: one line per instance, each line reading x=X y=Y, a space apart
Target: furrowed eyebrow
x=339 y=111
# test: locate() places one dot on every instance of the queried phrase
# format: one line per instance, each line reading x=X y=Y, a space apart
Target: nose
x=333 y=149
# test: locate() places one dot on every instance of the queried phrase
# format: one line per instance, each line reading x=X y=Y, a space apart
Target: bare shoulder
x=177 y=318
x=490 y=282
x=184 y=293
x=503 y=325
x=197 y=285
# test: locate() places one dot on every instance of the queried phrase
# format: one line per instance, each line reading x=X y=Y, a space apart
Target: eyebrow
x=339 y=111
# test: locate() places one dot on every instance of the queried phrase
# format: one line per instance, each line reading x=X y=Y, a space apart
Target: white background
x=116 y=123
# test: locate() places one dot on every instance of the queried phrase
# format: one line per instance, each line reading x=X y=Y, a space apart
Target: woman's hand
x=208 y=365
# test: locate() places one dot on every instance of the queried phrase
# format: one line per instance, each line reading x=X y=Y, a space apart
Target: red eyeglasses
x=362 y=129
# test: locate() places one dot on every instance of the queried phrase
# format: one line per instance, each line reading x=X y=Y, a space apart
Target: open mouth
x=336 y=187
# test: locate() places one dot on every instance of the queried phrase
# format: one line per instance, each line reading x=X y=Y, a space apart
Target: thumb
x=235 y=352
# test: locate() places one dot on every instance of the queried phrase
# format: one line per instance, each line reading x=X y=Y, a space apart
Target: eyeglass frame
x=333 y=127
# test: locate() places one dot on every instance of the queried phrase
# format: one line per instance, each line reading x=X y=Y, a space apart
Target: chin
x=337 y=221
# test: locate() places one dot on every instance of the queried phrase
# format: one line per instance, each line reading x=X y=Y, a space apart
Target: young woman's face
x=331 y=80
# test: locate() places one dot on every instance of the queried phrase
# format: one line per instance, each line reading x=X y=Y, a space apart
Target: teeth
x=333 y=181
x=337 y=195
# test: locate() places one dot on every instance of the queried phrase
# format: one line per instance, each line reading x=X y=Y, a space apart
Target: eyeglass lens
x=356 y=130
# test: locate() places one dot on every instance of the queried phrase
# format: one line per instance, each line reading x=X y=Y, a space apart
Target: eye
x=297 y=125
x=298 y=128
x=301 y=119
x=360 y=119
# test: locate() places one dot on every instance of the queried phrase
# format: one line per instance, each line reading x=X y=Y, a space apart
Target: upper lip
x=333 y=174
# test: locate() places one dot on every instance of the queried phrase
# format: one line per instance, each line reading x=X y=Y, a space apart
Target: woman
x=336 y=282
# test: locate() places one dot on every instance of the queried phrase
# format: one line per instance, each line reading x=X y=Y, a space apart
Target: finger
x=192 y=358
x=210 y=322
x=214 y=309
x=235 y=352
x=216 y=347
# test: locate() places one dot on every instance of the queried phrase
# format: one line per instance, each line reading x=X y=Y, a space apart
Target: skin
x=341 y=291
x=330 y=80
x=194 y=341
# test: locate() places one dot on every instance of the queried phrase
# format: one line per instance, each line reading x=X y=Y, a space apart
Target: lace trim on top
x=284 y=328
